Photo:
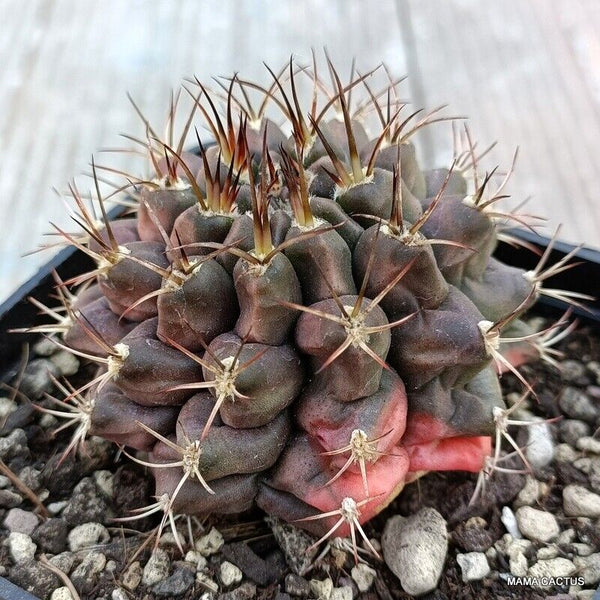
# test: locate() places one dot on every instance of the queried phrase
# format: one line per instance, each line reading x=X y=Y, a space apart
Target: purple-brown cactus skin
x=305 y=323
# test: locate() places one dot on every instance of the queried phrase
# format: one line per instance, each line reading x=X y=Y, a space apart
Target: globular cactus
x=302 y=322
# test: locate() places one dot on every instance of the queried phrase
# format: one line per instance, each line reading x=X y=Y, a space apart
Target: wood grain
x=527 y=72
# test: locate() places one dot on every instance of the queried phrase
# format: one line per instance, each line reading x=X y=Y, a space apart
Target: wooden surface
x=527 y=72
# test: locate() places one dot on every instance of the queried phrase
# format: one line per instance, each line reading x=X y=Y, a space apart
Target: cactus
x=304 y=323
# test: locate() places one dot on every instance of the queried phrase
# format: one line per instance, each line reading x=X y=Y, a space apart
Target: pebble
x=4 y=482
x=583 y=549
x=210 y=543
x=321 y=589
x=55 y=508
x=88 y=534
x=540 y=446
x=295 y=585
x=565 y=453
x=14 y=444
x=118 y=594
x=589 y=568
x=37 y=378
x=554 y=567
x=21 y=521
x=7 y=406
x=86 y=573
x=9 y=499
x=104 y=482
x=578 y=405
x=580 y=502
x=573 y=371
x=246 y=591
x=570 y=430
x=296 y=545
x=341 y=593
x=509 y=520
x=34 y=578
x=132 y=577
x=364 y=576
x=207 y=583
x=518 y=564
x=532 y=491
x=589 y=444
x=537 y=525
x=473 y=565
x=21 y=547
x=194 y=557
x=415 y=549
x=175 y=585
x=86 y=504
x=229 y=574
x=567 y=536
x=547 y=552
x=51 y=535
x=45 y=347
x=157 y=568
x=61 y=593
x=64 y=561
x=66 y=363
x=594 y=367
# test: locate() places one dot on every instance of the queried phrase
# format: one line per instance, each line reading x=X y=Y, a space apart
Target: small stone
x=205 y=582
x=194 y=557
x=210 y=543
x=230 y=574
x=66 y=363
x=321 y=589
x=9 y=499
x=532 y=491
x=589 y=444
x=573 y=371
x=246 y=591
x=547 y=552
x=341 y=593
x=518 y=565
x=84 y=577
x=30 y=477
x=21 y=521
x=118 y=594
x=578 y=405
x=580 y=502
x=363 y=576
x=55 y=508
x=21 y=547
x=565 y=453
x=61 y=593
x=157 y=568
x=473 y=565
x=7 y=406
x=14 y=444
x=86 y=535
x=509 y=520
x=585 y=594
x=570 y=430
x=537 y=525
x=51 y=535
x=295 y=585
x=104 y=482
x=555 y=567
x=37 y=378
x=34 y=578
x=4 y=482
x=86 y=504
x=45 y=347
x=540 y=446
x=415 y=549
x=175 y=585
x=582 y=549
x=64 y=561
x=132 y=577
x=567 y=536
x=594 y=367
x=296 y=545
x=589 y=568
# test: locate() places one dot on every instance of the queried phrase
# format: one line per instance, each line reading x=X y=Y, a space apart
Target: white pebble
x=22 y=549
x=540 y=446
x=88 y=534
x=510 y=522
x=363 y=576
x=537 y=525
x=61 y=593
x=157 y=568
x=210 y=543
x=580 y=502
x=230 y=574
x=589 y=444
x=473 y=565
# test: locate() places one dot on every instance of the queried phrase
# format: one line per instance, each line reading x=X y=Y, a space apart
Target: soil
x=259 y=556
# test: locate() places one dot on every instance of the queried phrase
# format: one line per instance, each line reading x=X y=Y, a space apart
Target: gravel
x=157 y=568
x=230 y=574
x=578 y=405
x=86 y=535
x=21 y=521
x=21 y=547
x=473 y=565
x=580 y=502
x=537 y=525
x=364 y=576
x=415 y=549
